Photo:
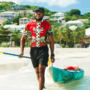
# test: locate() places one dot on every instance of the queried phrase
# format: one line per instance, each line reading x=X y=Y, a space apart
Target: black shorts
x=39 y=55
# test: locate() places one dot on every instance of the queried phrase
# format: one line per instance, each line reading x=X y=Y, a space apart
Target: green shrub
x=66 y=46
x=4 y=45
x=63 y=45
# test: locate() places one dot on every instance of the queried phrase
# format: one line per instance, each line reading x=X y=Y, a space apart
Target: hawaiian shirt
x=38 y=32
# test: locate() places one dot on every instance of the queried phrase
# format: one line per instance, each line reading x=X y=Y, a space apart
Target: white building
x=59 y=17
x=73 y=28
x=15 y=27
x=9 y=15
x=25 y=12
x=16 y=7
x=24 y=21
x=74 y=23
x=82 y=20
x=87 y=32
x=45 y=17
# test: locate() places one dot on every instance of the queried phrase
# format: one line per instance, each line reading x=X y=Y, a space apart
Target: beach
x=19 y=74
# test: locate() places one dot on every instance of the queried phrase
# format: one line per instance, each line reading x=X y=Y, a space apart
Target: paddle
x=49 y=59
x=14 y=54
x=49 y=62
x=1 y=52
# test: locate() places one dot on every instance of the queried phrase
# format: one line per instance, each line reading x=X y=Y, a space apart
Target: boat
x=64 y=75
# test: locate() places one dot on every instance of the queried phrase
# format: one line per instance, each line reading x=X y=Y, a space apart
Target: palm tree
x=4 y=34
x=65 y=34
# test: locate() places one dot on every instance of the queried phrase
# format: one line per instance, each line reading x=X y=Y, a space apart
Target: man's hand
x=21 y=55
x=52 y=59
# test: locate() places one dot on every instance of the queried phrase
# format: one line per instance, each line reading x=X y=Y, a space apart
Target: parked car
x=88 y=46
x=57 y=45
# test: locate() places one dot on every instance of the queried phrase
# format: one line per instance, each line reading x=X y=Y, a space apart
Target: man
x=39 y=29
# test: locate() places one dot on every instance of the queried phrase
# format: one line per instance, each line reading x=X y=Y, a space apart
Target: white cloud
x=61 y=3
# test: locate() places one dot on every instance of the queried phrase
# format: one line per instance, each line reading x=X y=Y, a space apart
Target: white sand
x=18 y=74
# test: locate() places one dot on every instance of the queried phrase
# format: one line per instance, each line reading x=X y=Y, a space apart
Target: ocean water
x=17 y=76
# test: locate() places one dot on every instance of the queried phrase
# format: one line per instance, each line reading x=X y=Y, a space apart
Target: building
x=45 y=17
x=82 y=20
x=3 y=18
x=16 y=7
x=27 y=12
x=1 y=22
x=24 y=21
x=2 y=10
x=87 y=32
x=74 y=23
x=15 y=27
x=59 y=17
x=9 y=15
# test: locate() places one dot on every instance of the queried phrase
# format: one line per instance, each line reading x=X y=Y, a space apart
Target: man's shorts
x=39 y=55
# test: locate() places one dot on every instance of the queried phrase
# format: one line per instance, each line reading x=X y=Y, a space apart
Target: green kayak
x=62 y=76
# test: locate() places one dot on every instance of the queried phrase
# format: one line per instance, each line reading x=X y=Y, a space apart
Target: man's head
x=39 y=13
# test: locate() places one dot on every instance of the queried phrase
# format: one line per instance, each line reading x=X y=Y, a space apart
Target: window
x=60 y=21
x=68 y=25
x=79 y=24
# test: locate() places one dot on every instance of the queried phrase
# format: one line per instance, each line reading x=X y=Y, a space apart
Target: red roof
x=1 y=21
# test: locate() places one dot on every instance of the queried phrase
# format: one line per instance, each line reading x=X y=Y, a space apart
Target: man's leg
x=41 y=76
x=37 y=72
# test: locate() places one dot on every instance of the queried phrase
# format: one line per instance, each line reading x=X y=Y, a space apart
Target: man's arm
x=51 y=42
x=22 y=43
x=23 y=39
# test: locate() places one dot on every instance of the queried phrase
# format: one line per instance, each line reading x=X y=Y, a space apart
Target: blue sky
x=58 y=5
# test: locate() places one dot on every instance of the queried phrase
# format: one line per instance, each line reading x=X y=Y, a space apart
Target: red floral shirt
x=38 y=32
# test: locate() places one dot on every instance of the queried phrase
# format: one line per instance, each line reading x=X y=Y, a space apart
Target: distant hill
x=47 y=11
x=6 y=6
